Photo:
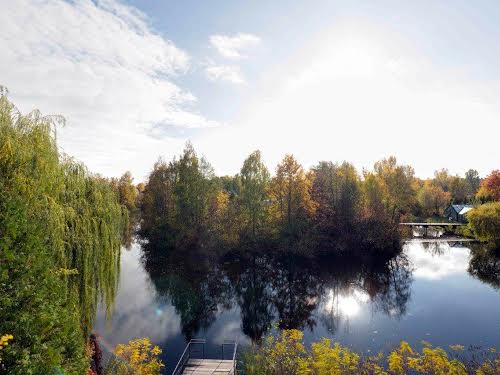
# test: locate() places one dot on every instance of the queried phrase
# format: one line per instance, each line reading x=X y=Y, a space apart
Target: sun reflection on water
x=348 y=304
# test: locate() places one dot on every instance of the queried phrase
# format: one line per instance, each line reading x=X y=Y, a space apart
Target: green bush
x=484 y=221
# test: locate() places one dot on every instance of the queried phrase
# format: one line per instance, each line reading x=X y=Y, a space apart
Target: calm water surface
x=440 y=292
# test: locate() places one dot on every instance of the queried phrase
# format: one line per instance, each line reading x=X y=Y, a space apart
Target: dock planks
x=208 y=366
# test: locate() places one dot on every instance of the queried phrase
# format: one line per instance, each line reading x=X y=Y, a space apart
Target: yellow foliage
x=4 y=341
x=291 y=195
x=281 y=355
x=328 y=360
x=286 y=354
x=139 y=358
x=489 y=368
x=430 y=361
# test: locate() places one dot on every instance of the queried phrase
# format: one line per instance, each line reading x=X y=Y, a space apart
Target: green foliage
x=485 y=265
x=127 y=192
x=255 y=180
x=193 y=189
x=281 y=355
x=177 y=198
x=484 y=221
x=184 y=203
x=461 y=190
x=398 y=185
x=292 y=204
x=330 y=207
x=326 y=359
x=59 y=247
x=286 y=354
x=472 y=181
x=128 y=196
x=336 y=190
x=158 y=203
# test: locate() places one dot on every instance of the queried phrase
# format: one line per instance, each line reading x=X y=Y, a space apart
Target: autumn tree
x=255 y=181
x=293 y=206
x=458 y=189
x=433 y=199
x=375 y=197
x=490 y=187
x=461 y=189
x=442 y=179
x=473 y=181
x=224 y=219
x=398 y=184
x=336 y=190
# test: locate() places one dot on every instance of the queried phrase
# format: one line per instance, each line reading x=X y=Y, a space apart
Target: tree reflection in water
x=191 y=279
x=387 y=285
x=274 y=286
x=485 y=265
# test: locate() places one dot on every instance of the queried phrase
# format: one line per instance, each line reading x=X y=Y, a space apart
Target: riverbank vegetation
x=60 y=229
x=286 y=354
x=184 y=202
x=331 y=207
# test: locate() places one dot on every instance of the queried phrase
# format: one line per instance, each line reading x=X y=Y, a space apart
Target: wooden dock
x=193 y=361
x=208 y=366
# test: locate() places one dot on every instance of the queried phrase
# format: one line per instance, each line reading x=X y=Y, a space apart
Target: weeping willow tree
x=60 y=232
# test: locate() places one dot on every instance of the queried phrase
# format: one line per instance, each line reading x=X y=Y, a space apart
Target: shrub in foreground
x=287 y=355
x=138 y=357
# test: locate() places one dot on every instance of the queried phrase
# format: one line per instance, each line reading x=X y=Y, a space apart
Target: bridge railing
x=188 y=354
x=233 y=357
x=193 y=347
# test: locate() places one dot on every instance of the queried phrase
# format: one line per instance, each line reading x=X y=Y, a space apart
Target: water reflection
x=447 y=291
x=485 y=266
x=139 y=310
x=267 y=287
x=193 y=283
x=437 y=260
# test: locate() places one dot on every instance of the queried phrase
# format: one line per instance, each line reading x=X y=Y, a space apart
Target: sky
x=325 y=80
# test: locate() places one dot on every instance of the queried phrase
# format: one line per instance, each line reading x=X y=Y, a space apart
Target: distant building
x=456 y=212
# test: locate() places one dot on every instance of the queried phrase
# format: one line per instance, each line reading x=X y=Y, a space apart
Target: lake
x=442 y=292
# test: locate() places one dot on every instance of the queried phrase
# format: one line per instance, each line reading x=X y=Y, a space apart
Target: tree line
x=183 y=201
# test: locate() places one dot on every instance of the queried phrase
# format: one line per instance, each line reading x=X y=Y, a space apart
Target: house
x=457 y=212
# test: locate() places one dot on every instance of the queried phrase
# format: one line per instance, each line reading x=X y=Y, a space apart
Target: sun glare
x=346 y=305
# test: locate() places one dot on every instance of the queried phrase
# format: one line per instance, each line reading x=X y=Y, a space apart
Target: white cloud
x=233 y=46
x=103 y=68
x=360 y=93
x=138 y=310
x=439 y=262
x=228 y=73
